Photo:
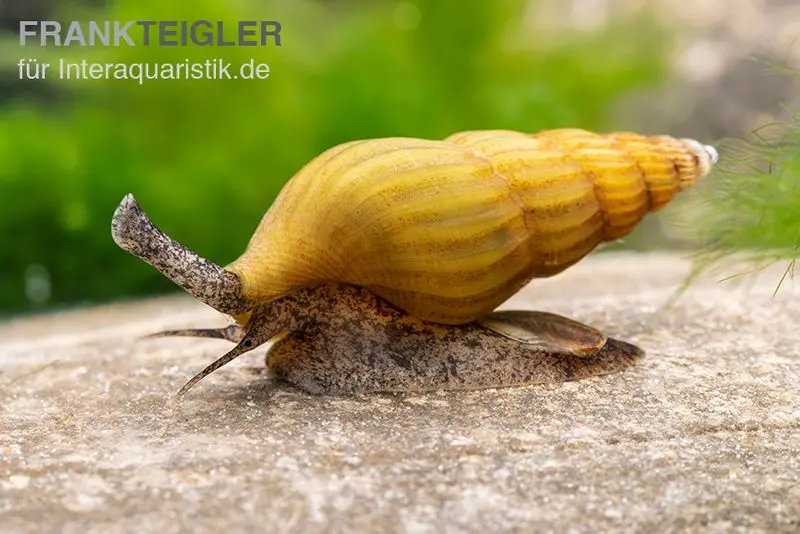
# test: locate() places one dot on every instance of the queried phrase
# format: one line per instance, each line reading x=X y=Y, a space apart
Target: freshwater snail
x=428 y=238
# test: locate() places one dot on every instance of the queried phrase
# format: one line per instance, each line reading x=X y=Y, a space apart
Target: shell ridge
x=622 y=146
x=630 y=211
x=558 y=142
x=514 y=197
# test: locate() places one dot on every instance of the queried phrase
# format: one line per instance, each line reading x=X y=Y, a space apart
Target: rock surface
x=704 y=434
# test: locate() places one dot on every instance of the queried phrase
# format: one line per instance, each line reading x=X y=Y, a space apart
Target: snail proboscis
x=381 y=261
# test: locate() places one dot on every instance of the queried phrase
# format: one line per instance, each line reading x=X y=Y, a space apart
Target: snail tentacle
x=233 y=332
x=245 y=345
x=265 y=324
x=133 y=231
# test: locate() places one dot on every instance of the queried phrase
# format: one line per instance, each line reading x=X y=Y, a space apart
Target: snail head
x=133 y=231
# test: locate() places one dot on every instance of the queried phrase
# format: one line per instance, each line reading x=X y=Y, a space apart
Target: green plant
x=751 y=210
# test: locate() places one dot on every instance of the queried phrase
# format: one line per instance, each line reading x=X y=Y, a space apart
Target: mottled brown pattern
x=354 y=353
x=133 y=231
x=341 y=339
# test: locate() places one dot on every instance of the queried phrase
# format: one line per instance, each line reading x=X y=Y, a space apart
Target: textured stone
x=704 y=434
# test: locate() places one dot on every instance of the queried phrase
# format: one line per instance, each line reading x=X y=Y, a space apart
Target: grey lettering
x=146 y=25
x=121 y=32
x=74 y=33
x=54 y=32
x=200 y=37
x=183 y=33
x=24 y=32
x=96 y=33
x=221 y=35
x=270 y=28
x=164 y=32
x=247 y=28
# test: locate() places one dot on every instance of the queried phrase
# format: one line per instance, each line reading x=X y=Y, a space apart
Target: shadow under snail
x=381 y=262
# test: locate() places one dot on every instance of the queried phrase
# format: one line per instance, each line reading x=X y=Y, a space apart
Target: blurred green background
x=206 y=158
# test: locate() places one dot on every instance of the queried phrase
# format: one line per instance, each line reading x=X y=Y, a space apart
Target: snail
x=381 y=261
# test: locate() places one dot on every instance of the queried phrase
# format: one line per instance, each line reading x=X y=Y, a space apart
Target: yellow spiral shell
x=448 y=230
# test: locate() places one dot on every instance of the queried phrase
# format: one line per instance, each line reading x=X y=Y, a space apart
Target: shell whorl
x=448 y=230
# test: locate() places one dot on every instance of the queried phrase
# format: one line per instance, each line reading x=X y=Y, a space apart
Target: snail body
x=343 y=340
x=438 y=232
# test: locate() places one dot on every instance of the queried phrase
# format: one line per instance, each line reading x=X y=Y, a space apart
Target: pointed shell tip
x=712 y=153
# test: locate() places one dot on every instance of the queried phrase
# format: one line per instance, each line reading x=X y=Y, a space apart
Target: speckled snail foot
x=380 y=263
x=340 y=339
